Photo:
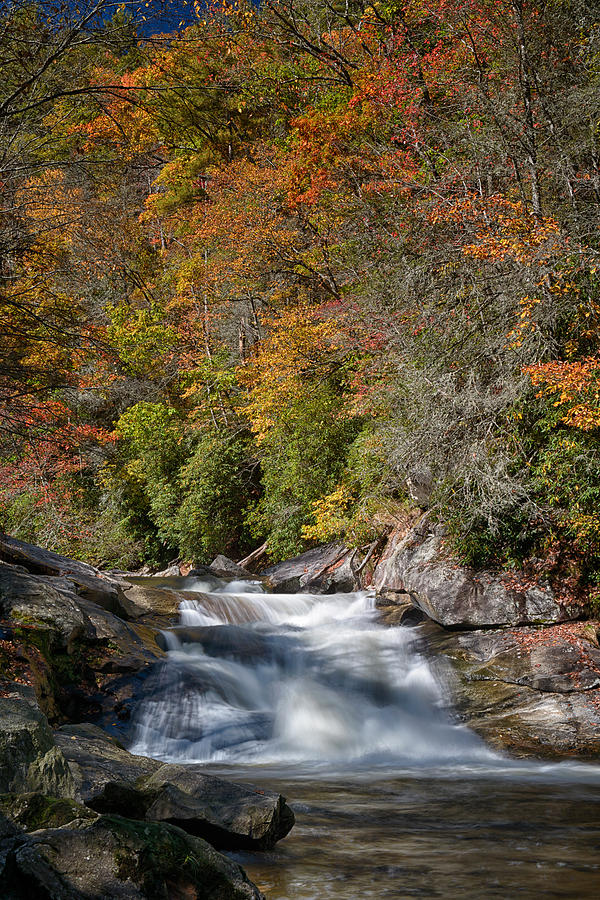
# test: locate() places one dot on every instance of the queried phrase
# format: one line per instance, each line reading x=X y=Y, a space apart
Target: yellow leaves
x=330 y=514
x=298 y=347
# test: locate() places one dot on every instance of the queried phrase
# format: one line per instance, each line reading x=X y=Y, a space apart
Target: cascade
x=255 y=678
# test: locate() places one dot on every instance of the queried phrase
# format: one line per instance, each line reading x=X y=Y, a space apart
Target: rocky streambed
x=82 y=652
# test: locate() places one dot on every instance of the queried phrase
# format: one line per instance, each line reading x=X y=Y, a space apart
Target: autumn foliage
x=294 y=257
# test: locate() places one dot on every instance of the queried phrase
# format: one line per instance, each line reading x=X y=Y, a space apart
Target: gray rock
x=77 y=576
x=29 y=759
x=104 y=773
x=170 y=572
x=323 y=570
x=531 y=691
x=113 y=858
x=225 y=567
x=110 y=780
x=417 y=564
x=31 y=601
x=229 y=815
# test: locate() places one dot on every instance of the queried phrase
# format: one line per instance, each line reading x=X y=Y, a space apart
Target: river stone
x=417 y=564
x=230 y=816
x=29 y=759
x=109 y=779
x=115 y=858
x=322 y=570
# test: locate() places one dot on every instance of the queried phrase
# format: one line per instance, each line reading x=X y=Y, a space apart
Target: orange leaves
x=575 y=384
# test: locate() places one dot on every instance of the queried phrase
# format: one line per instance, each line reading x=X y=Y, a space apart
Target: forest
x=285 y=271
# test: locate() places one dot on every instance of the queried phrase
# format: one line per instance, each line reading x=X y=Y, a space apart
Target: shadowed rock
x=112 y=857
x=110 y=779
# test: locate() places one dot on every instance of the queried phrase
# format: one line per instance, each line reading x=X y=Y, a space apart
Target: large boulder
x=109 y=779
x=322 y=570
x=30 y=601
x=83 y=660
x=230 y=816
x=418 y=566
x=531 y=691
x=29 y=758
x=109 y=857
x=85 y=580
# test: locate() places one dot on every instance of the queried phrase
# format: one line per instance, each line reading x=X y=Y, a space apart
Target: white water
x=298 y=679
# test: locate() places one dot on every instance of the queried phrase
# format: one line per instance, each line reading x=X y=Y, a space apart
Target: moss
x=155 y=852
x=34 y=811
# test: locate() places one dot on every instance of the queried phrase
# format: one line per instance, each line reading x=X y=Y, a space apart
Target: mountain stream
x=352 y=722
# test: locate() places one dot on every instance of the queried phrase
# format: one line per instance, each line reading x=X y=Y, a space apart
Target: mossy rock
x=33 y=811
x=113 y=857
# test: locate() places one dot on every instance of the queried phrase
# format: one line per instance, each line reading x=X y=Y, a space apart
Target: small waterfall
x=256 y=678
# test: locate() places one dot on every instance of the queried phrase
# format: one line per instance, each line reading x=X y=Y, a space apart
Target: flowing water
x=313 y=697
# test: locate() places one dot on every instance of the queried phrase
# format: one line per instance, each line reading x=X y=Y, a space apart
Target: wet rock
x=458 y=596
x=532 y=691
x=228 y=815
x=29 y=759
x=110 y=780
x=323 y=570
x=394 y=612
x=113 y=857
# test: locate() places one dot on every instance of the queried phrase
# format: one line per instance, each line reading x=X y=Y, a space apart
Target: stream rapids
x=350 y=720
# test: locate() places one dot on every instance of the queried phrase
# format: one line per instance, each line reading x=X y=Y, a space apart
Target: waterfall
x=253 y=678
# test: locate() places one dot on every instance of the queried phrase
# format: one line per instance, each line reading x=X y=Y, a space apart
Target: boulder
x=29 y=600
x=83 y=579
x=418 y=566
x=102 y=769
x=143 y=599
x=322 y=570
x=230 y=816
x=29 y=759
x=170 y=572
x=110 y=780
x=531 y=691
x=225 y=568
x=113 y=857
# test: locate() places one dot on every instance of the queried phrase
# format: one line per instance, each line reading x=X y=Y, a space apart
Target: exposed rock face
x=83 y=660
x=323 y=570
x=110 y=857
x=532 y=691
x=457 y=596
x=81 y=578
